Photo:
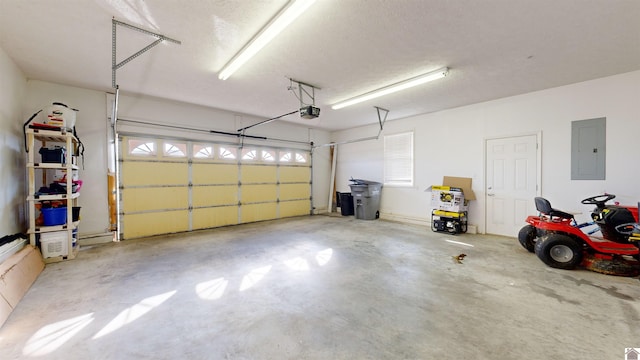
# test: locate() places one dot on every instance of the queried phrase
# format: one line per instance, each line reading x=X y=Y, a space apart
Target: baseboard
x=94 y=239
x=406 y=219
x=317 y=211
x=471 y=229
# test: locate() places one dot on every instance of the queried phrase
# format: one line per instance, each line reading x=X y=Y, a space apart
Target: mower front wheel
x=559 y=251
x=527 y=237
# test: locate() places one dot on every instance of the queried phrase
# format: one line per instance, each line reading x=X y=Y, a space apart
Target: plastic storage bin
x=54 y=216
x=366 y=199
x=54 y=244
x=53 y=155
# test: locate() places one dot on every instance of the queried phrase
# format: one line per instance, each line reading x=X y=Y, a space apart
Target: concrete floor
x=321 y=288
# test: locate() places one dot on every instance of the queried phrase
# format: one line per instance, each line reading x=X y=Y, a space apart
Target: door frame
x=538 y=136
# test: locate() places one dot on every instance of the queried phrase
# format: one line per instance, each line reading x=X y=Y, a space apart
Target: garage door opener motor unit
x=309 y=112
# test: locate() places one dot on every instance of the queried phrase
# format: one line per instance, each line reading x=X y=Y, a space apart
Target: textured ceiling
x=494 y=48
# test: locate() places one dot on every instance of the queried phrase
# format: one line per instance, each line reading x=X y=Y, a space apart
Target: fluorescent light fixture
x=418 y=80
x=288 y=13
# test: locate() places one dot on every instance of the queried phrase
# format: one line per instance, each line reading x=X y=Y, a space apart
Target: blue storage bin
x=54 y=216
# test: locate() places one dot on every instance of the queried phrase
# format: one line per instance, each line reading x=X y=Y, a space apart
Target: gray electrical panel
x=588 y=149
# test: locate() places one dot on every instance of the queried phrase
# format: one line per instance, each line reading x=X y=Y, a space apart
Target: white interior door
x=512 y=176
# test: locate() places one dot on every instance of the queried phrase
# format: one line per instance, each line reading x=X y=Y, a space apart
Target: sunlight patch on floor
x=323 y=257
x=212 y=289
x=134 y=312
x=252 y=278
x=297 y=264
x=458 y=243
x=53 y=336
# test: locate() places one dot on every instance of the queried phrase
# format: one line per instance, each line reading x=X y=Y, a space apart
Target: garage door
x=169 y=186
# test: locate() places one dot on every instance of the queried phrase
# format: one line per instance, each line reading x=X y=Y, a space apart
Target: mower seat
x=544 y=207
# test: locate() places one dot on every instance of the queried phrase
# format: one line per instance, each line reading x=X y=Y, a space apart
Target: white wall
x=162 y=111
x=451 y=143
x=91 y=129
x=92 y=126
x=12 y=157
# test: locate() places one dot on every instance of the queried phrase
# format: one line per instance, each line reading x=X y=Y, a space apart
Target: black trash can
x=346 y=204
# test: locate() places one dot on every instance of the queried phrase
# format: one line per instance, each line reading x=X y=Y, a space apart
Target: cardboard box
x=453 y=195
x=448 y=198
x=460 y=182
x=17 y=274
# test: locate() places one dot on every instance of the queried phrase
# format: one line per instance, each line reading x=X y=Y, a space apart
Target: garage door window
x=142 y=147
x=202 y=151
x=301 y=158
x=286 y=157
x=249 y=154
x=227 y=153
x=175 y=150
x=290 y=156
x=268 y=155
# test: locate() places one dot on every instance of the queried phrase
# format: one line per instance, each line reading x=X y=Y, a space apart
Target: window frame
x=135 y=147
x=390 y=160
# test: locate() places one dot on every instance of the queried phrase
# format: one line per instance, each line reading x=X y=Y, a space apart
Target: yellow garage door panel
x=294 y=191
x=258 y=212
x=257 y=193
x=259 y=174
x=142 y=199
x=294 y=174
x=140 y=225
x=214 y=195
x=214 y=217
x=154 y=173
x=214 y=174
x=294 y=208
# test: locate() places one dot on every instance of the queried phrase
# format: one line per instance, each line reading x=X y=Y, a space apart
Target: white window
x=301 y=158
x=249 y=154
x=142 y=147
x=286 y=157
x=202 y=151
x=175 y=149
x=268 y=155
x=227 y=153
x=398 y=159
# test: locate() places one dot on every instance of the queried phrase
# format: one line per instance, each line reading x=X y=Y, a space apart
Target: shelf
x=55 y=166
x=53 y=197
x=45 y=229
x=50 y=135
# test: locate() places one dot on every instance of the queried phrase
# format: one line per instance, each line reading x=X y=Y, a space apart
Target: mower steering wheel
x=598 y=200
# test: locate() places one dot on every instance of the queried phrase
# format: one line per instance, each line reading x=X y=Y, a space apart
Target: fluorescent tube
x=289 y=13
x=418 y=80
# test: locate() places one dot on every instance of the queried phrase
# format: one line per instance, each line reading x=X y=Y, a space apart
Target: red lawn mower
x=560 y=242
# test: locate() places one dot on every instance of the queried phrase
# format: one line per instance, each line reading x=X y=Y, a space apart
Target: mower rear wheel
x=527 y=237
x=559 y=251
